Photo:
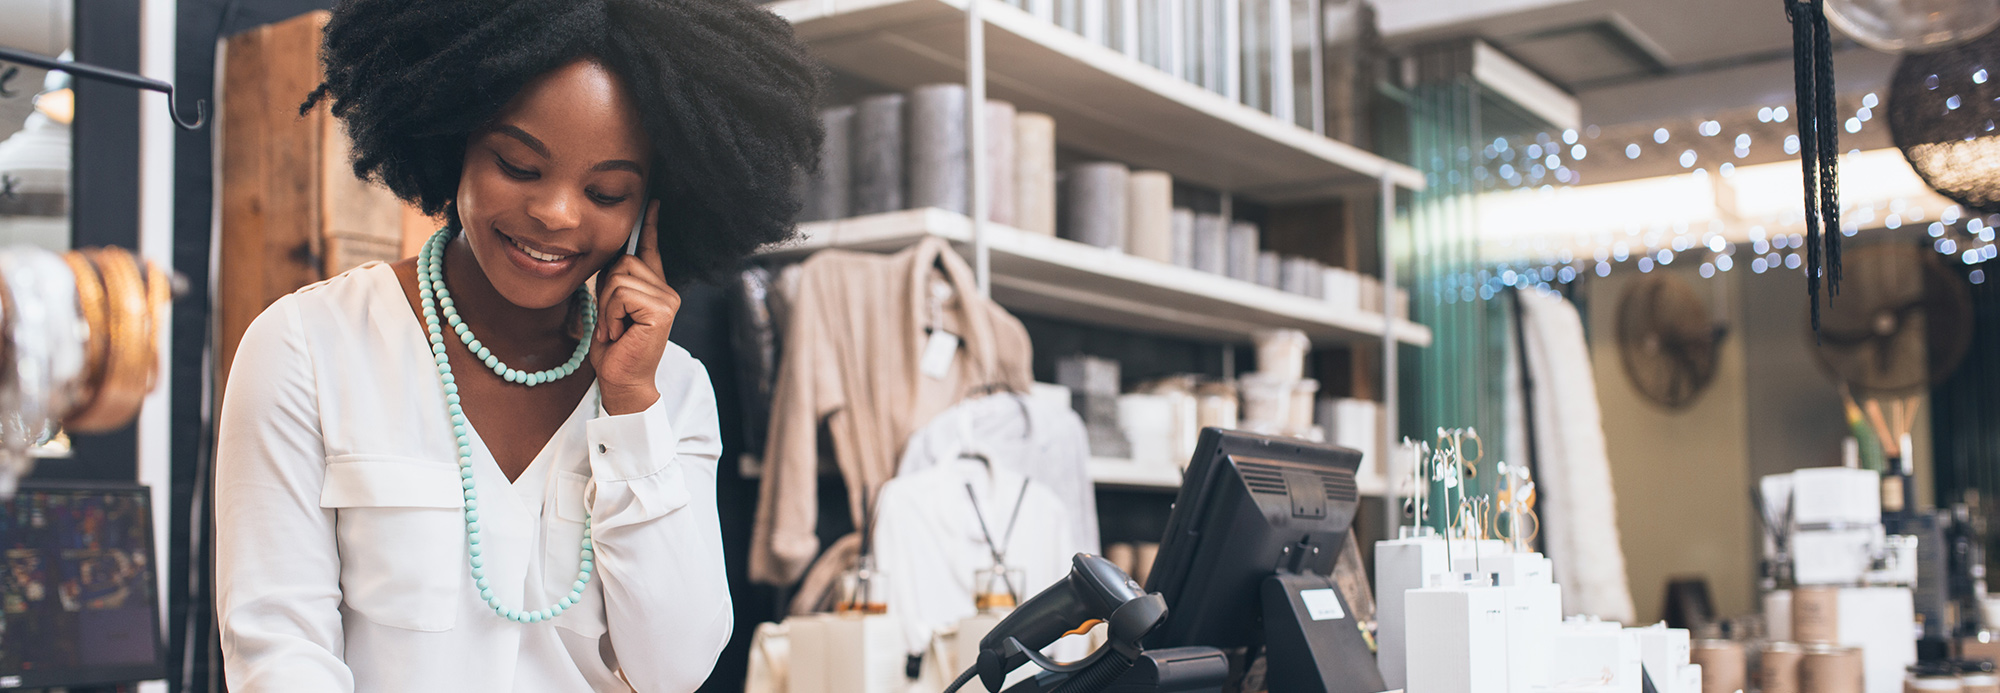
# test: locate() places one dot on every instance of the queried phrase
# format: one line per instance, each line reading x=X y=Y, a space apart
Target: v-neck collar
x=406 y=330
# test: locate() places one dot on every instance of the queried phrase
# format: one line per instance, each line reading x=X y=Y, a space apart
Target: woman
x=480 y=469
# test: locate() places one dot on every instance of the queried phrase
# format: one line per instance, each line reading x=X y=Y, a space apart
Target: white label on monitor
x=1322 y=604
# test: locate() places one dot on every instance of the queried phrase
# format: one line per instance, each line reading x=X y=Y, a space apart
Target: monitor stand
x=1311 y=641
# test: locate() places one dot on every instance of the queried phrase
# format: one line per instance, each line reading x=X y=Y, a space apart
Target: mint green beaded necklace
x=430 y=287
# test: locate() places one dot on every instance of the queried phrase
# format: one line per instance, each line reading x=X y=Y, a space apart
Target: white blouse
x=340 y=539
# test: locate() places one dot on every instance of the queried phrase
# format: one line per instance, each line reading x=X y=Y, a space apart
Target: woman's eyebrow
x=525 y=138
x=619 y=165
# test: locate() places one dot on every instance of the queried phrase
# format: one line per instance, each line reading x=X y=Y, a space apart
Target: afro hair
x=723 y=88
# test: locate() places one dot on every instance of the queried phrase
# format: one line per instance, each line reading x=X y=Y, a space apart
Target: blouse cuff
x=626 y=447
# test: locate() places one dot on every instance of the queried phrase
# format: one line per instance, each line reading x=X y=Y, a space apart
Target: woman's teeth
x=544 y=257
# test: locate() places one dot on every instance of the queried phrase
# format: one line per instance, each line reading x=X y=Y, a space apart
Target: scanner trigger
x=1085 y=628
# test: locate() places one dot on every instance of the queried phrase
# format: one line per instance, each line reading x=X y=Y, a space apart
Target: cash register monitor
x=78 y=603
x=1249 y=546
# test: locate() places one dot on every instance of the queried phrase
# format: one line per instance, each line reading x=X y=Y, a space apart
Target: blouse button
x=601 y=448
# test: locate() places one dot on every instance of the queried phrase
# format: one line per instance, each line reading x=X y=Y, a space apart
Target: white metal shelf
x=1059 y=278
x=1104 y=102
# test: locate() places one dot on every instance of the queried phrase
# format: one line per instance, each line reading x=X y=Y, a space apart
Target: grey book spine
x=938 y=173
x=877 y=151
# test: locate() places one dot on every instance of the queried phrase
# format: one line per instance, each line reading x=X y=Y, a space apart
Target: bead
x=451 y=399
x=472 y=545
x=584 y=554
x=457 y=414
x=465 y=473
x=567 y=602
x=587 y=566
x=478 y=562
x=493 y=602
x=468 y=483
x=579 y=586
x=484 y=354
x=451 y=380
x=480 y=579
x=472 y=505
x=471 y=516
x=472 y=527
x=546 y=615
x=486 y=594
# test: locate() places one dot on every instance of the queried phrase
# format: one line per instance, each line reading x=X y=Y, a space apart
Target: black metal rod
x=117 y=77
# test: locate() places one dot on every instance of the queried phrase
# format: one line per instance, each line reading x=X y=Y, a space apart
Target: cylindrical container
x=1978 y=677
x=1722 y=665
x=1183 y=240
x=1095 y=196
x=1215 y=405
x=1035 y=173
x=830 y=191
x=1282 y=352
x=1000 y=162
x=1778 y=670
x=1270 y=268
x=1143 y=555
x=1211 y=244
x=1241 y=260
x=1267 y=401
x=1301 y=409
x=1149 y=215
x=877 y=171
x=1816 y=614
x=1932 y=677
x=1830 y=669
x=938 y=175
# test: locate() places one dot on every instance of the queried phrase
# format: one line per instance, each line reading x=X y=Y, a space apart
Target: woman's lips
x=535 y=260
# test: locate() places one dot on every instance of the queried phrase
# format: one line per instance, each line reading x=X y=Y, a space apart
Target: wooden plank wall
x=292 y=211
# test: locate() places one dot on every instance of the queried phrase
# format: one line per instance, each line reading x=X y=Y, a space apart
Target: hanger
x=102 y=74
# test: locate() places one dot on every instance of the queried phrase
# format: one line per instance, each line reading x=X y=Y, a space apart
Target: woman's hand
x=635 y=312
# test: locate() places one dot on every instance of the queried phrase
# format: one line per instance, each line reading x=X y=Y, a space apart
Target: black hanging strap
x=1819 y=145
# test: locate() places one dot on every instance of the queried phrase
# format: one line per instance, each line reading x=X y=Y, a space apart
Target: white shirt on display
x=341 y=559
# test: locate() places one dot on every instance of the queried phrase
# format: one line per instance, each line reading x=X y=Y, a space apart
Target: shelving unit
x=1072 y=281
x=1104 y=102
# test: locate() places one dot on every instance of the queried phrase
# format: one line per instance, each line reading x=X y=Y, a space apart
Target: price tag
x=938 y=353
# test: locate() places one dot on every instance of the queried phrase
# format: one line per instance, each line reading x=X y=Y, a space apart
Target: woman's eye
x=513 y=171
x=607 y=200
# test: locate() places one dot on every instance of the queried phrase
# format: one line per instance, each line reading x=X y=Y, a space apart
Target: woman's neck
x=501 y=325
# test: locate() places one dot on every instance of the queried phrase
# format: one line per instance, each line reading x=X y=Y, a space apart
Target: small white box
x=1401 y=565
x=1534 y=612
x=834 y=653
x=1687 y=680
x=1148 y=422
x=1836 y=496
x=1457 y=640
x=1506 y=570
x=1594 y=656
x=1834 y=556
x=1663 y=651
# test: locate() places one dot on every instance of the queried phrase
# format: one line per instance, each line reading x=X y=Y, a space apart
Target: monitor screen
x=78 y=603
x=1250 y=505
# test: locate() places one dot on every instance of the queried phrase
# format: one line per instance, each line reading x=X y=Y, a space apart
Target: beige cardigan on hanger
x=851 y=361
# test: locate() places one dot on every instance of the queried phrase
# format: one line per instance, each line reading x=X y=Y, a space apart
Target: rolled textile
x=1000 y=163
x=1035 y=173
x=1211 y=244
x=937 y=163
x=829 y=191
x=1183 y=230
x=877 y=151
x=1241 y=260
x=1149 y=223
x=1095 y=213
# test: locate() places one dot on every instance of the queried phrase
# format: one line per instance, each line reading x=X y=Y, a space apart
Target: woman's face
x=552 y=189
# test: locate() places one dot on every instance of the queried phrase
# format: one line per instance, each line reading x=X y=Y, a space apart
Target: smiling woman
x=640 y=142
